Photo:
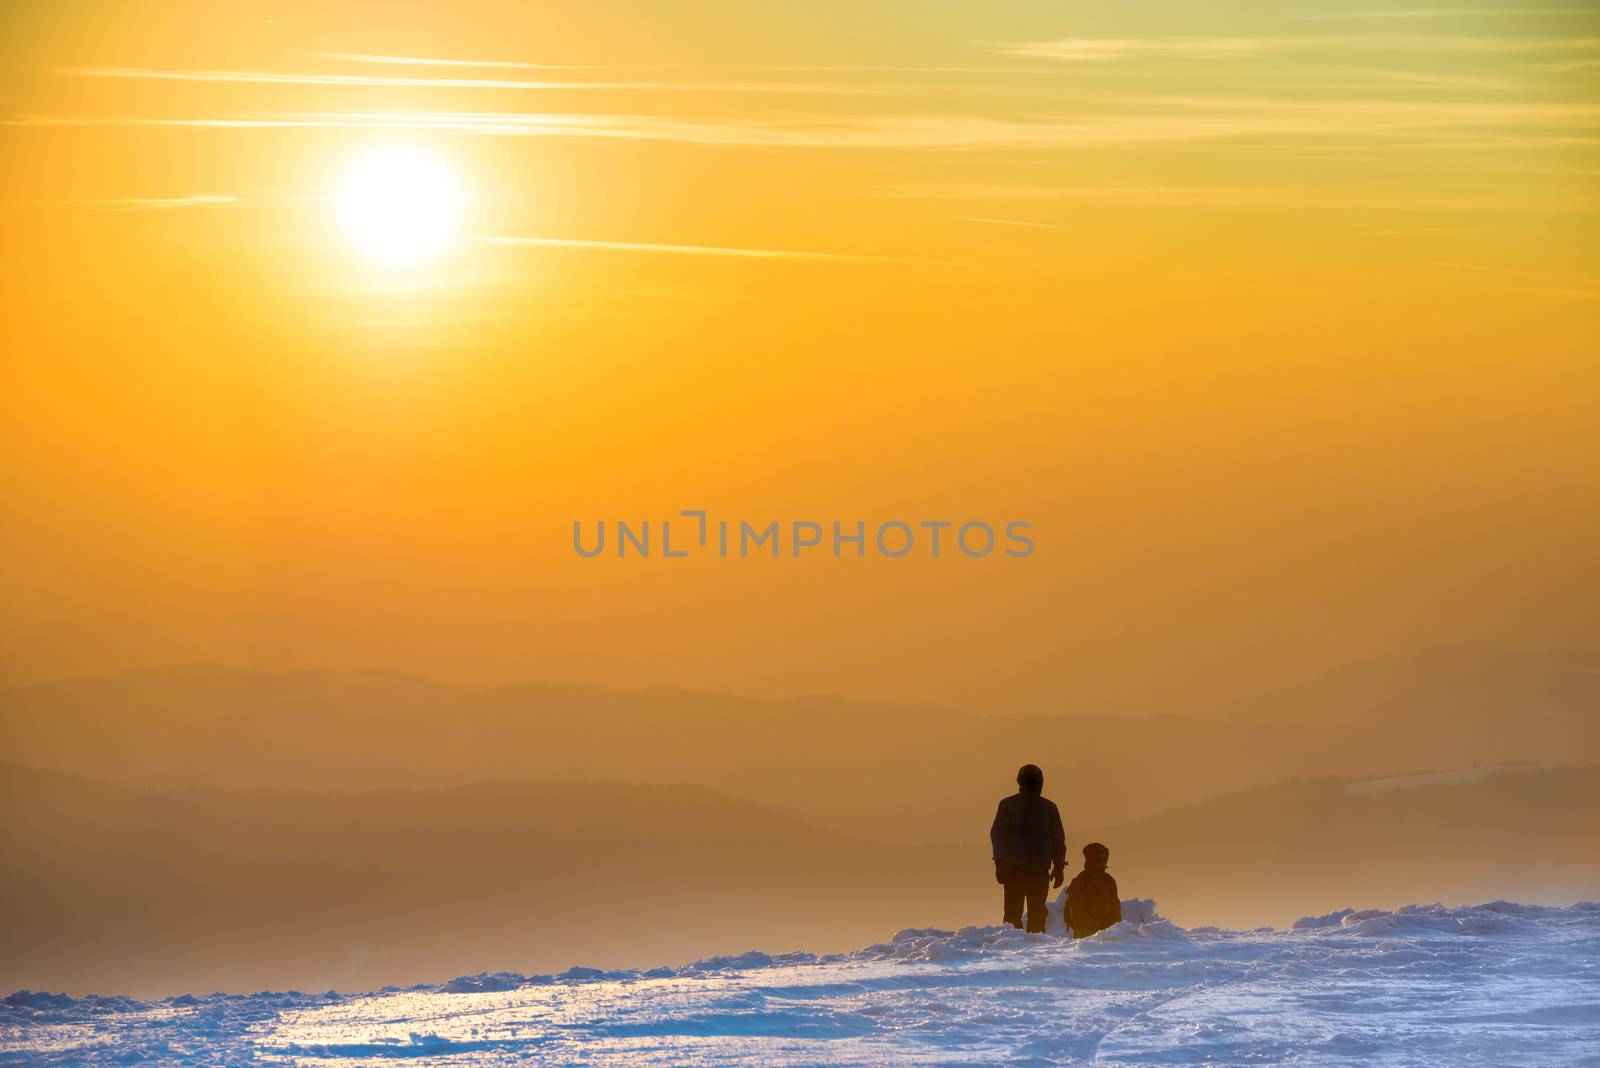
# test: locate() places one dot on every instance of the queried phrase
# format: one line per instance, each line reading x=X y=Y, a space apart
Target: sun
x=400 y=207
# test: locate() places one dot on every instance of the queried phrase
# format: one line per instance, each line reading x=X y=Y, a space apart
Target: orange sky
x=1280 y=326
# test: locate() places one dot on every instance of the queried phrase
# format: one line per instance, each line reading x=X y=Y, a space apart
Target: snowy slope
x=1493 y=984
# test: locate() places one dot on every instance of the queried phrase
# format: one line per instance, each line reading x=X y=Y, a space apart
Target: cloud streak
x=1226 y=197
x=428 y=61
x=1540 y=283
x=196 y=200
x=908 y=132
x=253 y=77
x=1093 y=50
x=1027 y=224
x=1156 y=120
x=496 y=64
x=1090 y=49
x=1422 y=13
x=695 y=250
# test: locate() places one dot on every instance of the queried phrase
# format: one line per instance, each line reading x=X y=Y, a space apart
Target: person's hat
x=1095 y=849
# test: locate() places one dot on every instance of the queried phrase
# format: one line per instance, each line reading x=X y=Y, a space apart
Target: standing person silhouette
x=1030 y=848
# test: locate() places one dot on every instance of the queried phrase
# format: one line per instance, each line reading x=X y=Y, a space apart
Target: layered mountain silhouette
x=115 y=887
x=130 y=889
x=889 y=772
x=1539 y=695
x=1520 y=833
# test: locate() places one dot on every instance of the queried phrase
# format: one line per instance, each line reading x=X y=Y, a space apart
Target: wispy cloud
x=1537 y=283
x=1191 y=197
x=497 y=64
x=695 y=250
x=1087 y=49
x=1028 y=224
x=1091 y=49
x=910 y=132
x=1334 y=78
x=1540 y=276
x=1350 y=116
x=1448 y=13
x=1156 y=120
x=1569 y=66
x=429 y=61
x=197 y=200
x=255 y=77
x=1131 y=195
x=1558 y=293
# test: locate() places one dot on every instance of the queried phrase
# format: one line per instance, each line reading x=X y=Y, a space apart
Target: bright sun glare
x=401 y=207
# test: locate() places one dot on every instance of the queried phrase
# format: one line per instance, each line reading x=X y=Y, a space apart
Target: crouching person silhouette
x=1092 y=902
x=1030 y=848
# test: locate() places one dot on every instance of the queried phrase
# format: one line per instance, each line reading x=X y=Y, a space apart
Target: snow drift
x=1497 y=983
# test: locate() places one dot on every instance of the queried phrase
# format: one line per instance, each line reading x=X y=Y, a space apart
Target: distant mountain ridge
x=112 y=887
x=293 y=888
x=892 y=772
x=1238 y=860
x=1472 y=685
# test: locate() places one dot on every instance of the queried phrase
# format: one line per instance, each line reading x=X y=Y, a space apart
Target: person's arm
x=997 y=832
x=1116 y=901
x=1058 y=841
x=997 y=841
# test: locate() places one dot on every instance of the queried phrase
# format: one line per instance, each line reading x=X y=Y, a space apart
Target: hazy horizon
x=520 y=484
x=1065 y=703
x=302 y=828
x=309 y=890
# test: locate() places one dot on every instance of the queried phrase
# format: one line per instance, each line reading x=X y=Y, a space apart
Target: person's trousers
x=1027 y=890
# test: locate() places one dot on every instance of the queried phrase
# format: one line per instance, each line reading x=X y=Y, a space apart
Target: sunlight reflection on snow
x=1486 y=984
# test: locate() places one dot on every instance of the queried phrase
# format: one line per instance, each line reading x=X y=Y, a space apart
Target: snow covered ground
x=1493 y=984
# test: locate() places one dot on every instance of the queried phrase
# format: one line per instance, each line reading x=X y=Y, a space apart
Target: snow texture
x=1493 y=984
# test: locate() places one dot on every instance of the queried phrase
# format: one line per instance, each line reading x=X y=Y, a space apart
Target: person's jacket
x=1092 y=902
x=1027 y=834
